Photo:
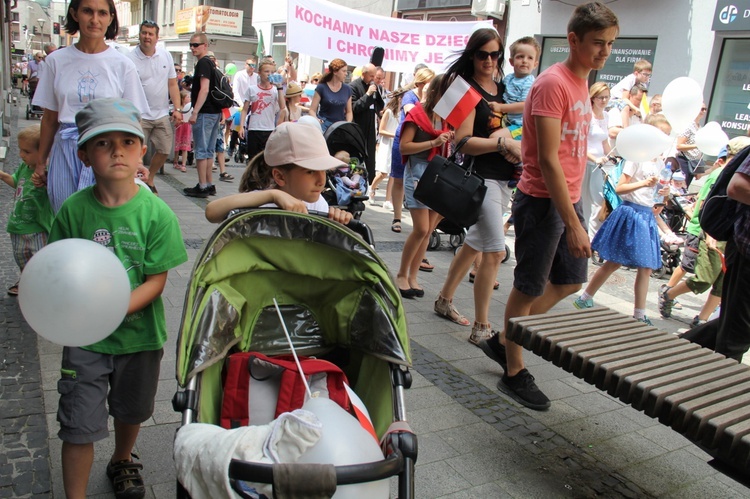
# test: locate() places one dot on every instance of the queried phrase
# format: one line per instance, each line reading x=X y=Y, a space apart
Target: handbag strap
x=468 y=162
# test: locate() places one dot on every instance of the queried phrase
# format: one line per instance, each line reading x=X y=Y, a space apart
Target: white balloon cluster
x=681 y=103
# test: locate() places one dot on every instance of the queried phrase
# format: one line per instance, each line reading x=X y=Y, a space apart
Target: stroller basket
x=339 y=302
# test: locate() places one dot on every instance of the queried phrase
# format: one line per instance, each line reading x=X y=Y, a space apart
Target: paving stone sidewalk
x=473 y=441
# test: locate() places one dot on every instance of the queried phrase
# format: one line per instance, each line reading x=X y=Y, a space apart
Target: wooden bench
x=695 y=391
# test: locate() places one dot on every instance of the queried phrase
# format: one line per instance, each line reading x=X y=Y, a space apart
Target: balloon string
x=291 y=346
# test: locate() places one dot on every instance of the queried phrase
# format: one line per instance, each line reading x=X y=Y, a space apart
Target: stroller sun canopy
x=332 y=289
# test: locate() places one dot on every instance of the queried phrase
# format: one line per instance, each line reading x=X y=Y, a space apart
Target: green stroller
x=340 y=304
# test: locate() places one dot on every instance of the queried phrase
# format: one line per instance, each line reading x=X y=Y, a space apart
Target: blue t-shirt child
x=516 y=90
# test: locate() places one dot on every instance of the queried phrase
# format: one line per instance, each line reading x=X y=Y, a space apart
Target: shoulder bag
x=455 y=191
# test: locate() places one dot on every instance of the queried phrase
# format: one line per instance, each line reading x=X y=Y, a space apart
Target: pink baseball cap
x=301 y=145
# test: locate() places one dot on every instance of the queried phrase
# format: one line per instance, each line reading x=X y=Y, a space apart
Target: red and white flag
x=361 y=412
x=457 y=102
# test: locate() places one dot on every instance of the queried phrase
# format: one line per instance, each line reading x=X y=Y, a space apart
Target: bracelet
x=501 y=145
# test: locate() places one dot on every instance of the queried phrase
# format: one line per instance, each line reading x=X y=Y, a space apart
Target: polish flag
x=457 y=102
x=361 y=412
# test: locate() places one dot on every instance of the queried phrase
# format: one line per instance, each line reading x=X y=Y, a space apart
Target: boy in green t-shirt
x=123 y=369
x=31 y=218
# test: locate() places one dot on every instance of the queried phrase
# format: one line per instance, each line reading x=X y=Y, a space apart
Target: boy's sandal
x=126 y=479
x=226 y=177
x=13 y=290
x=396 y=225
x=444 y=308
x=425 y=266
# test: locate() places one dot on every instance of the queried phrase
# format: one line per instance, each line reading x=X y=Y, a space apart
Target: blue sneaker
x=581 y=304
x=645 y=320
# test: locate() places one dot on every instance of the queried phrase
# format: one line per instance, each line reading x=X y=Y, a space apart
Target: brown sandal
x=126 y=479
x=444 y=308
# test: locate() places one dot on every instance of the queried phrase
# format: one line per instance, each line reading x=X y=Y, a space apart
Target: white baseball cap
x=301 y=145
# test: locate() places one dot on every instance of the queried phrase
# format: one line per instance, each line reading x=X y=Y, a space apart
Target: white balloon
x=641 y=142
x=681 y=102
x=309 y=120
x=711 y=138
x=344 y=441
x=74 y=292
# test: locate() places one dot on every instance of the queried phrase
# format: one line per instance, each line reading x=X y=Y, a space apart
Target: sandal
x=444 y=308
x=480 y=332
x=126 y=479
x=396 y=225
x=425 y=266
x=473 y=276
x=180 y=166
x=13 y=290
x=226 y=177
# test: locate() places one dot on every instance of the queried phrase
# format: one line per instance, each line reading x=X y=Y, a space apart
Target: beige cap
x=301 y=145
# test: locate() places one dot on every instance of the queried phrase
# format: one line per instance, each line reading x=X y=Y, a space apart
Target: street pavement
x=473 y=440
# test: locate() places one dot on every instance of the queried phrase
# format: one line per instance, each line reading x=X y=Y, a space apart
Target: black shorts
x=256 y=141
x=542 y=253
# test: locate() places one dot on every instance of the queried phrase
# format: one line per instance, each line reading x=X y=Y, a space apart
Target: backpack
x=718 y=213
x=220 y=90
x=257 y=388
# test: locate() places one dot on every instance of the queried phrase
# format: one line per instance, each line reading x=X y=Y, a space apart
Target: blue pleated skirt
x=630 y=237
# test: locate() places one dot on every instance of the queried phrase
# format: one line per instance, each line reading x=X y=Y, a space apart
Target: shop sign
x=209 y=20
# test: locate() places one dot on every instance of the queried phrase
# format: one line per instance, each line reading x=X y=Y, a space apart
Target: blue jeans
x=205 y=131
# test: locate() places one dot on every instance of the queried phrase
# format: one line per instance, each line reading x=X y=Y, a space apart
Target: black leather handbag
x=455 y=191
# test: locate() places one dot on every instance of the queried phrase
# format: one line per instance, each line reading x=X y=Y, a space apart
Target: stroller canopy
x=332 y=288
x=347 y=136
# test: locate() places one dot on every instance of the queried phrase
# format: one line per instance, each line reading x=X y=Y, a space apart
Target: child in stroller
x=347 y=187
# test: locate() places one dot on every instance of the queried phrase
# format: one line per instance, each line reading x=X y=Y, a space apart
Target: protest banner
x=326 y=30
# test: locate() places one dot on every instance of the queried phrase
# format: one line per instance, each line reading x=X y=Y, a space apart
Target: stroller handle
x=345 y=475
x=357 y=226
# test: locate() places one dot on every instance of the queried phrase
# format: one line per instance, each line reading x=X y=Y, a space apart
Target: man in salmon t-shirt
x=552 y=245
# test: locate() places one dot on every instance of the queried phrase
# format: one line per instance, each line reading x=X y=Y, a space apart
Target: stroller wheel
x=434 y=241
x=457 y=249
x=596 y=259
x=457 y=240
x=507 y=254
x=659 y=273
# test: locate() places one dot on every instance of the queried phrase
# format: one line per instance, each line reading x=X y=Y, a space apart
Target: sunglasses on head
x=149 y=23
x=483 y=54
x=196 y=45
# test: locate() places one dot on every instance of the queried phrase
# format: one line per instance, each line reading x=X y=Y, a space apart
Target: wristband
x=501 y=145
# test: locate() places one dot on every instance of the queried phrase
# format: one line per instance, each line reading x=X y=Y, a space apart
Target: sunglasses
x=251 y=64
x=481 y=55
x=196 y=45
x=149 y=23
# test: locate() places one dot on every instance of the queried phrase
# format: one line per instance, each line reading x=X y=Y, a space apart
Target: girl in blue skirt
x=629 y=236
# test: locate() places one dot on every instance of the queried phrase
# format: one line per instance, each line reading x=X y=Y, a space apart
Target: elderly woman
x=332 y=100
x=478 y=65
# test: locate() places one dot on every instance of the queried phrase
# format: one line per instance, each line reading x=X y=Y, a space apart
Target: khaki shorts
x=91 y=381
x=160 y=133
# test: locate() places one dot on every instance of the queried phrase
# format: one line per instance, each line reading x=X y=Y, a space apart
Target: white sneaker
x=388 y=206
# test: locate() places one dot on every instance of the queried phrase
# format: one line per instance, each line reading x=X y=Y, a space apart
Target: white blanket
x=202 y=452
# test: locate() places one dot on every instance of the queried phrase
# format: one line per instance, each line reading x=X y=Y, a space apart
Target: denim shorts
x=412 y=174
x=205 y=131
x=91 y=381
x=542 y=253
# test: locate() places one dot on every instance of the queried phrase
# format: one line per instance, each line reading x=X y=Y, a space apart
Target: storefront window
x=625 y=53
x=730 y=101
